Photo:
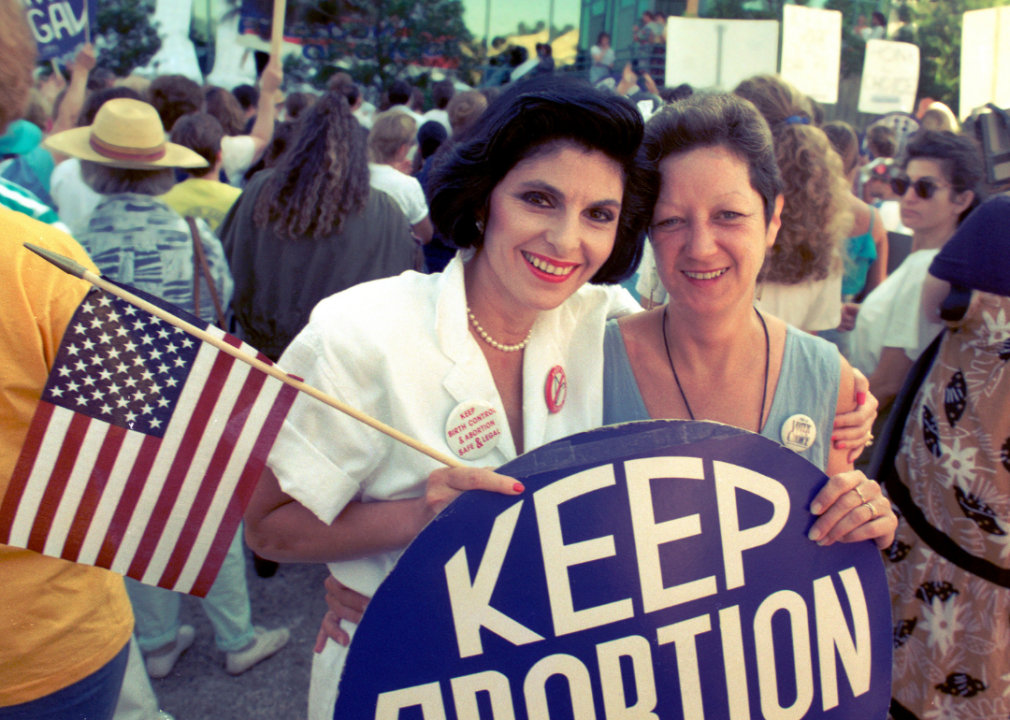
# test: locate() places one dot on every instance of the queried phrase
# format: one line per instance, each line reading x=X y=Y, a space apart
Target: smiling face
x=552 y=222
x=938 y=213
x=709 y=232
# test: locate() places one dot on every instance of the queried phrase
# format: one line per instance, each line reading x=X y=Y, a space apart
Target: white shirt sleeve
x=415 y=204
x=237 y=155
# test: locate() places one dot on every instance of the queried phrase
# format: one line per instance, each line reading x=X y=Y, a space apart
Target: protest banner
x=985 y=59
x=890 y=77
x=719 y=54
x=60 y=27
x=649 y=570
x=299 y=30
x=812 y=51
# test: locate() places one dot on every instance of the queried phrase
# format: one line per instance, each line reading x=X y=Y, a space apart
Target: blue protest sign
x=650 y=570
x=60 y=26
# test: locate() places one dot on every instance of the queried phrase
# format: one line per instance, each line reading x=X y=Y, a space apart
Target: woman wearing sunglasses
x=940 y=185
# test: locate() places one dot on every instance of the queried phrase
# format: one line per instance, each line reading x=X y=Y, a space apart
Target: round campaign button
x=556 y=389
x=799 y=432
x=472 y=430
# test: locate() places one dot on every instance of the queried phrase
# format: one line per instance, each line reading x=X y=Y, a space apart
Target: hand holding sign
x=844 y=505
x=85 y=60
x=662 y=569
x=447 y=484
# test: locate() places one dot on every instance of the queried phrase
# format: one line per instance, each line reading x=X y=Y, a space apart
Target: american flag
x=144 y=449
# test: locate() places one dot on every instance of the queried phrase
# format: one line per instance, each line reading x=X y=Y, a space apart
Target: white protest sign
x=812 y=51
x=985 y=59
x=890 y=77
x=708 y=53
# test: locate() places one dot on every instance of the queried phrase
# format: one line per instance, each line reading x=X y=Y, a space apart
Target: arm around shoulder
x=838 y=460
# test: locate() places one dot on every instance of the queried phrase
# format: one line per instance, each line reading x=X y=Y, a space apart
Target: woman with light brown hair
x=801 y=279
x=225 y=107
x=866 y=247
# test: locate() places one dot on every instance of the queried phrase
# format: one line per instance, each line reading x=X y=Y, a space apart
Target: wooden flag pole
x=77 y=270
x=277 y=31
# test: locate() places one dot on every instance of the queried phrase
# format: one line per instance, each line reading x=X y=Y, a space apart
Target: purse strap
x=200 y=267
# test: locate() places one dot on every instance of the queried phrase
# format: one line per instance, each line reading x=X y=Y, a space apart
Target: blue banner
x=59 y=25
x=649 y=570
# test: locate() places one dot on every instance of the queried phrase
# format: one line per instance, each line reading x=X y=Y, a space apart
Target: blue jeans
x=156 y=610
x=93 y=698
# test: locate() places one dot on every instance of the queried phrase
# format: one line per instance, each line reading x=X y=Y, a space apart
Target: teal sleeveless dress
x=808 y=385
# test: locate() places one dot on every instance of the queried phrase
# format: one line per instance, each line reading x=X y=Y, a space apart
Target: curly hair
x=321 y=178
x=174 y=96
x=845 y=142
x=17 y=58
x=816 y=218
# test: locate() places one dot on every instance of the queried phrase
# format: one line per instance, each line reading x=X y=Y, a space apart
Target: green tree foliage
x=376 y=40
x=125 y=38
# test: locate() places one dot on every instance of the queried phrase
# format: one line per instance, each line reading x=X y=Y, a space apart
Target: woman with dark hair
x=545 y=198
x=940 y=185
x=718 y=213
x=310 y=227
x=603 y=58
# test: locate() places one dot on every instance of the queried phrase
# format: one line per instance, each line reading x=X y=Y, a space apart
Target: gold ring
x=860 y=494
x=873 y=513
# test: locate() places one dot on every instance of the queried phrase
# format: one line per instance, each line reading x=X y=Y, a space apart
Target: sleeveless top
x=860 y=252
x=808 y=385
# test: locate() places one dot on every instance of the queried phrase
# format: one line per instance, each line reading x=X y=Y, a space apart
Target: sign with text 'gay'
x=650 y=570
x=60 y=26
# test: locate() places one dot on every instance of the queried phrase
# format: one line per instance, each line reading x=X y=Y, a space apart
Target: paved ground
x=277 y=688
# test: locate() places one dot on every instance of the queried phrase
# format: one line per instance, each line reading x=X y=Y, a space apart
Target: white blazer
x=400 y=350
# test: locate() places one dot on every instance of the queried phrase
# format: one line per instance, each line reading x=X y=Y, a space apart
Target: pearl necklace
x=491 y=341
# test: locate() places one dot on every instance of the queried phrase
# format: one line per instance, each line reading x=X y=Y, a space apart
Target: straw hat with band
x=126 y=133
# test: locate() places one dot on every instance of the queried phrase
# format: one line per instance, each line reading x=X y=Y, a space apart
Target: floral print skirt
x=949 y=567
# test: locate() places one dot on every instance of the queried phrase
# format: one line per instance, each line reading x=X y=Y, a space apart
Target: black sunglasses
x=924 y=187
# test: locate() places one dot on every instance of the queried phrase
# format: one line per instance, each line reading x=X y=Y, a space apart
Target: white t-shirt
x=237 y=155
x=891 y=316
x=75 y=201
x=810 y=306
x=405 y=189
x=439 y=116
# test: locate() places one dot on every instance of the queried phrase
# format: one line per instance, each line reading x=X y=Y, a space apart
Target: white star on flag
x=150 y=482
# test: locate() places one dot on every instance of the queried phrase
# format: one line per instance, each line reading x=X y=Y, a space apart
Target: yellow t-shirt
x=59 y=621
x=208 y=200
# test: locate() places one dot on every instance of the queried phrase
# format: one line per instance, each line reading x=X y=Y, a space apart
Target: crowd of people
x=432 y=250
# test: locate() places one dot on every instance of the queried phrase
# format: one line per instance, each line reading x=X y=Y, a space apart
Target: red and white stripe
x=162 y=511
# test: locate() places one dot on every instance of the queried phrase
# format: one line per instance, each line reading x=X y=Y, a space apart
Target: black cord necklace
x=764 y=390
